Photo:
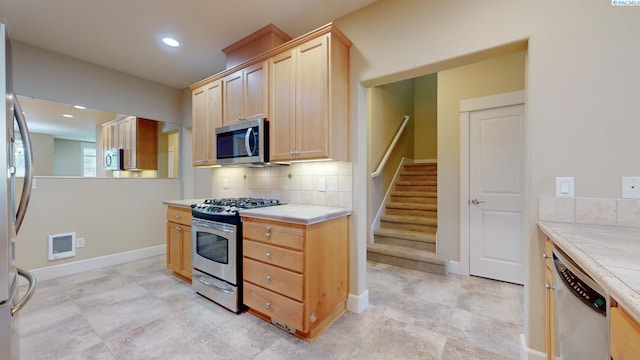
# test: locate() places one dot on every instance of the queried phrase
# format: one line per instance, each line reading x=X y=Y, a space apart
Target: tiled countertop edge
x=614 y=287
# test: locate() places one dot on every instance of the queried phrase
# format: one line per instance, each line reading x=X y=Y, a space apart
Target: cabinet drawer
x=271 y=304
x=625 y=335
x=290 y=237
x=279 y=280
x=282 y=257
x=179 y=215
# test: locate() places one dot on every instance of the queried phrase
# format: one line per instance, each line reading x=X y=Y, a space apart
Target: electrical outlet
x=79 y=242
x=631 y=187
x=322 y=185
x=225 y=183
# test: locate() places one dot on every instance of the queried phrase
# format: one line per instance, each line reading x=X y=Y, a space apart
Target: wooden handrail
x=378 y=171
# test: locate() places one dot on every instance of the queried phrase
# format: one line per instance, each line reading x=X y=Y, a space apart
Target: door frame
x=466 y=107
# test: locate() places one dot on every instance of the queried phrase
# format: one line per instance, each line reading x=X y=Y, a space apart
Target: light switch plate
x=631 y=187
x=565 y=187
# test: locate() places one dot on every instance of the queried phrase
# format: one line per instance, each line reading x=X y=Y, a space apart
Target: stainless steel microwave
x=243 y=143
x=113 y=159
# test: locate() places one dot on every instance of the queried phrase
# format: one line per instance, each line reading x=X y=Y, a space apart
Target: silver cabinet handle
x=32 y=287
x=267 y=235
x=291 y=153
x=177 y=216
x=549 y=287
x=545 y=257
x=268 y=277
x=267 y=254
x=178 y=228
x=476 y=202
x=267 y=304
x=296 y=152
x=268 y=228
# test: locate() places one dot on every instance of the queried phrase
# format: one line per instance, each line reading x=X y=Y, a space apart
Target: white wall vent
x=62 y=246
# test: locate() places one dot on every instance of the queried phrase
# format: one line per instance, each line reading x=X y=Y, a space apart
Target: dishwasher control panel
x=590 y=297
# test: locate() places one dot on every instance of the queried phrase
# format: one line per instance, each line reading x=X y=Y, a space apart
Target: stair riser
x=430 y=188
x=431 y=214
x=420 y=245
x=418 y=177
x=407 y=264
x=428 y=229
x=413 y=199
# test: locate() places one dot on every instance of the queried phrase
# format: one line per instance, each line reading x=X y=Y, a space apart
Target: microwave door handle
x=247 y=143
x=28 y=164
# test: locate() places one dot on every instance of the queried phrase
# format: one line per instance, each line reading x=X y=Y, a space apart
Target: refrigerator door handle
x=32 y=287
x=28 y=164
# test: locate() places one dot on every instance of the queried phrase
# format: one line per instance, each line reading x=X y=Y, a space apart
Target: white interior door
x=496 y=193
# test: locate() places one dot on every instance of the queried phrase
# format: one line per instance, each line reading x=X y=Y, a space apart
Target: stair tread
x=407 y=219
x=418 y=173
x=407 y=253
x=406 y=235
x=414 y=193
x=417 y=182
x=411 y=206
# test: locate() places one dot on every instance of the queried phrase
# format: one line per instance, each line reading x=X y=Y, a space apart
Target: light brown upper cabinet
x=301 y=86
x=140 y=144
x=309 y=95
x=207 y=116
x=245 y=94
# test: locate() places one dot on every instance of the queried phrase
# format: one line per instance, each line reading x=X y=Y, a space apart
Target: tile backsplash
x=598 y=211
x=298 y=183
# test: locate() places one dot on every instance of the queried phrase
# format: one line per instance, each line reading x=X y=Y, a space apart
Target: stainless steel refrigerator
x=12 y=209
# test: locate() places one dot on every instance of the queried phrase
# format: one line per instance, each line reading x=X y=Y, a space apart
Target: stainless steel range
x=216 y=233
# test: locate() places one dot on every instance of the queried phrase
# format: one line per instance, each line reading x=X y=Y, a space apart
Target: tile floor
x=138 y=310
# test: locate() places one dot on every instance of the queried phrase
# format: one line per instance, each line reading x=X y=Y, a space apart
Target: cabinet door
x=199 y=126
x=282 y=128
x=255 y=91
x=548 y=298
x=312 y=92
x=233 y=108
x=130 y=143
x=214 y=118
x=186 y=268
x=174 y=246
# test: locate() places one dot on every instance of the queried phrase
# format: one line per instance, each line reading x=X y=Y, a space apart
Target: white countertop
x=298 y=214
x=609 y=254
x=182 y=203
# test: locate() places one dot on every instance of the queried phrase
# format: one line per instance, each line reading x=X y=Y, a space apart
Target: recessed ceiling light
x=67 y=115
x=79 y=107
x=171 y=42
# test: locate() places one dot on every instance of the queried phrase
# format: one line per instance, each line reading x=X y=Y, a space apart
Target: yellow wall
x=388 y=104
x=426 y=117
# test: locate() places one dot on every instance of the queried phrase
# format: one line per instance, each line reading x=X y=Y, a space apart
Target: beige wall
x=43 y=149
x=489 y=77
x=67 y=158
x=426 y=117
x=581 y=112
x=113 y=215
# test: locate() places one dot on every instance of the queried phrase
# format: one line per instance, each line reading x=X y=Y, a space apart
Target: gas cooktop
x=229 y=206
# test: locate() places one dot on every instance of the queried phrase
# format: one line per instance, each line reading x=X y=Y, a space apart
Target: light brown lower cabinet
x=624 y=333
x=179 y=241
x=296 y=276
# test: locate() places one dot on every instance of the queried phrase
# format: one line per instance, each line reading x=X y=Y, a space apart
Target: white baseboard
x=70 y=268
x=453 y=267
x=529 y=354
x=358 y=303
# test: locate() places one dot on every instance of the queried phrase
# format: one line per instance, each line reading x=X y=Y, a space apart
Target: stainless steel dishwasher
x=580 y=318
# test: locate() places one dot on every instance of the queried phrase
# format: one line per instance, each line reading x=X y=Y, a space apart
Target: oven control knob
x=267 y=254
x=267 y=304
x=268 y=277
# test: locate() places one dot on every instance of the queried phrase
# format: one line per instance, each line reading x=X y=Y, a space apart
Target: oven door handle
x=214 y=226
x=205 y=282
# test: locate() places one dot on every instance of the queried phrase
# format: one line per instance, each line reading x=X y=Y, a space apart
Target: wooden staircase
x=407 y=233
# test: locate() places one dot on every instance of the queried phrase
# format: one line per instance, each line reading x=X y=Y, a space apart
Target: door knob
x=477 y=202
